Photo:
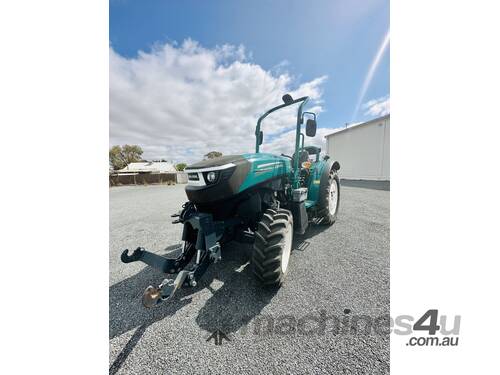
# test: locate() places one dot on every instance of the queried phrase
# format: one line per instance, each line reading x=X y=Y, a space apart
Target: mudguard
x=319 y=179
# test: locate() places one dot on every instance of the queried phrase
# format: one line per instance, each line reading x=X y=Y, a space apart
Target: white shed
x=148 y=167
x=363 y=150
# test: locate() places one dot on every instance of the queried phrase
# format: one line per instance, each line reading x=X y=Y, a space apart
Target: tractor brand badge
x=267 y=167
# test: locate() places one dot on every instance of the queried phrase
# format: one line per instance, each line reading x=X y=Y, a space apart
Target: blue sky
x=307 y=40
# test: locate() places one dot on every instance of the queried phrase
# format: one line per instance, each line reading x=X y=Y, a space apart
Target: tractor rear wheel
x=329 y=199
x=272 y=247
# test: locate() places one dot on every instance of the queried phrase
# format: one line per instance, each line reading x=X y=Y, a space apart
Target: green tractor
x=259 y=198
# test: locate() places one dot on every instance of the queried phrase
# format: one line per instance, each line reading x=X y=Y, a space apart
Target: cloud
x=378 y=107
x=180 y=102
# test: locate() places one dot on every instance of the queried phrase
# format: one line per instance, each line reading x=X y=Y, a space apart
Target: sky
x=189 y=77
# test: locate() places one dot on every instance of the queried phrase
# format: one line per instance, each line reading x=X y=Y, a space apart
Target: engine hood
x=233 y=175
x=216 y=162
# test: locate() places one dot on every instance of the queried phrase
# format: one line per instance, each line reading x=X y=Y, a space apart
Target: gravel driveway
x=338 y=275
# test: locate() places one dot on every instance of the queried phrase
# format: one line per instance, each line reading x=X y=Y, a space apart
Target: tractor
x=257 y=198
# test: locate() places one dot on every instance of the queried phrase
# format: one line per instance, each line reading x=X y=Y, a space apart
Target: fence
x=147 y=179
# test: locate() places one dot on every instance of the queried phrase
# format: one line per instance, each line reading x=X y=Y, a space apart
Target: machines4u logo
x=430 y=329
x=439 y=329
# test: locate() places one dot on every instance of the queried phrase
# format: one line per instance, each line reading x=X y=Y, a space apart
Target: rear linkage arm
x=206 y=248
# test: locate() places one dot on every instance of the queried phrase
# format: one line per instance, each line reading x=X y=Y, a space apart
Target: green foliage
x=180 y=166
x=213 y=154
x=121 y=156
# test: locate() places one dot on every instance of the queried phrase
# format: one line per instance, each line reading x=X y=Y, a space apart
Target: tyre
x=272 y=247
x=329 y=199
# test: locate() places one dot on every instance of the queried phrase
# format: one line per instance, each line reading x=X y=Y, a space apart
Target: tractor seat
x=313 y=150
x=303 y=156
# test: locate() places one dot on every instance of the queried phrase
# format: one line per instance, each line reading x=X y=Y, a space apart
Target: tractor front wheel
x=272 y=247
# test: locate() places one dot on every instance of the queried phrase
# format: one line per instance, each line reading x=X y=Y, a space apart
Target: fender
x=320 y=179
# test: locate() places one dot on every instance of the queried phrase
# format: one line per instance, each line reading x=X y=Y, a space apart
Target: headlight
x=211 y=177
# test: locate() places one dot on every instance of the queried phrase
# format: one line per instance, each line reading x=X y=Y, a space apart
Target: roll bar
x=288 y=101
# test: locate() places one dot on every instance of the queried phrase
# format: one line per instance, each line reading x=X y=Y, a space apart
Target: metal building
x=363 y=150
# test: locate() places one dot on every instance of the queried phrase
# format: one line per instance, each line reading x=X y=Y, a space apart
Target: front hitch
x=206 y=247
x=155 y=295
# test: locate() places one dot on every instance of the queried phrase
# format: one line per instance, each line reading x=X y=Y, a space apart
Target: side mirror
x=261 y=137
x=287 y=98
x=311 y=128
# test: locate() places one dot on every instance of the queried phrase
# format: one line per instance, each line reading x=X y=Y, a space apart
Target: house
x=148 y=167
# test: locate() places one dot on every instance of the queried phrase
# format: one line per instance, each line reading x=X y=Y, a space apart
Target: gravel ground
x=336 y=273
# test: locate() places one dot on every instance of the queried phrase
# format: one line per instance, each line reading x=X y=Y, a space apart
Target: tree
x=121 y=156
x=180 y=166
x=213 y=154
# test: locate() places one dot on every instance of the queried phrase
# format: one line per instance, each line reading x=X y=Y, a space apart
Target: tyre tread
x=268 y=246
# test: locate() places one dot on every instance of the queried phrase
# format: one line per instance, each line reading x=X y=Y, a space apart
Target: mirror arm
x=308 y=113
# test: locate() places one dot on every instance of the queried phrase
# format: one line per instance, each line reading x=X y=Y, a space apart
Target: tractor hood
x=224 y=177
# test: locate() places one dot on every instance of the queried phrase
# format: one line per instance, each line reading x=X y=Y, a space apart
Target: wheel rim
x=333 y=197
x=287 y=248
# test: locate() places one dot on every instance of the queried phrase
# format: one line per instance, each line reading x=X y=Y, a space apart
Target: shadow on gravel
x=125 y=301
x=237 y=301
x=301 y=241
x=233 y=305
x=126 y=311
x=239 y=294
x=241 y=297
